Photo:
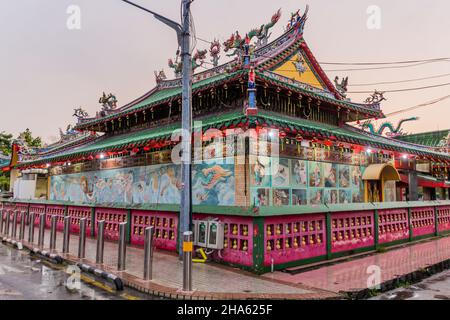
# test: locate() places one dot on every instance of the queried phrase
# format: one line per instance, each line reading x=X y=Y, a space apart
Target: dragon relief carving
x=393 y=131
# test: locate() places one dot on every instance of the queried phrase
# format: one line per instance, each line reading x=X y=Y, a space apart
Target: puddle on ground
x=442 y=297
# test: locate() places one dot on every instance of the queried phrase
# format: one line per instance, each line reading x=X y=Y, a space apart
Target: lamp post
x=183 y=37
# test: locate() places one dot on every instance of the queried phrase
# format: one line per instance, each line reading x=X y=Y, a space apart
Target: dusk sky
x=47 y=70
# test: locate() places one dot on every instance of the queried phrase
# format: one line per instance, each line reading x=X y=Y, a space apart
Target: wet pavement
x=357 y=274
x=25 y=278
x=437 y=287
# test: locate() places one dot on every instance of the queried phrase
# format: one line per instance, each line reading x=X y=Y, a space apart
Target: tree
x=30 y=141
x=5 y=143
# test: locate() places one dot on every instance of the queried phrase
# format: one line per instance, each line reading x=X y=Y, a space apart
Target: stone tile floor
x=211 y=279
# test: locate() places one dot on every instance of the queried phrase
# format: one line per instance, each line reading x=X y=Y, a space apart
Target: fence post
x=54 y=221
x=41 y=230
x=122 y=247
x=148 y=253
x=31 y=228
x=187 y=260
x=66 y=234
x=1 y=221
x=82 y=239
x=22 y=226
x=14 y=227
x=100 y=242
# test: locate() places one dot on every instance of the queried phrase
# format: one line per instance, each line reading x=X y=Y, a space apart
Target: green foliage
x=4 y=182
x=5 y=143
x=30 y=141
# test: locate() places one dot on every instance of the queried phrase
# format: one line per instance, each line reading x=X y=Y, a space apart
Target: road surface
x=436 y=287
x=24 y=278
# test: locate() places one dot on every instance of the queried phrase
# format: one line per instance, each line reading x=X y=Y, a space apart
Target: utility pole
x=186 y=119
x=183 y=36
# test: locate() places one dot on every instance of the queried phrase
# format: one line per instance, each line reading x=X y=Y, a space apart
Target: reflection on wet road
x=23 y=278
x=437 y=287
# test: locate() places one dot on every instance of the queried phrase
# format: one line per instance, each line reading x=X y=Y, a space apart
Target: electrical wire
x=407 y=89
x=399 y=81
x=425 y=104
x=383 y=63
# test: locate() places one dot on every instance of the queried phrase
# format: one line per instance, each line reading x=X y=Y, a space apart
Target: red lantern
x=298 y=138
x=282 y=134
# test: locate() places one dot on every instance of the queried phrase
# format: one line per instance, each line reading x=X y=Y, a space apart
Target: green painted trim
x=436 y=223
x=424 y=236
x=258 y=244
x=93 y=222
x=128 y=233
x=410 y=225
x=375 y=226
x=340 y=254
x=392 y=243
x=329 y=233
x=444 y=233
x=295 y=263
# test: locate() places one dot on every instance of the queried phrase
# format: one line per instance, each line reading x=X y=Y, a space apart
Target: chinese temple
x=331 y=189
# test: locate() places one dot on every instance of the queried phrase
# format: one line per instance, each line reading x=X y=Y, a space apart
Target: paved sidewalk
x=353 y=275
x=210 y=280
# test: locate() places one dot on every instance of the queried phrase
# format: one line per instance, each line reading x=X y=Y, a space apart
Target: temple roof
x=287 y=61
x=431 y=139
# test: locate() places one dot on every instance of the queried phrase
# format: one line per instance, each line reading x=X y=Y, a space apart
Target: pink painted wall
x=238 y=242
x=76 y=213
x=291 y=238
x=422 y=220
x=444 y=218
x=112 y=219
x=352 y=230
x=37 y=209
x=166 y=228
x=392 y=225
x=51 y=210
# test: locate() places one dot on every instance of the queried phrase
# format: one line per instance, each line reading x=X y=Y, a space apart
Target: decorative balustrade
x=260 y=240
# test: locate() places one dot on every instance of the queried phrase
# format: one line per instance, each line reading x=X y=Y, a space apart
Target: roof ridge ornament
x=160 y=76
x=298 y=21
x=376 y=97
x=197 y=61
x=108 y=102
x=341 y=87
x=214 y=52
x=80 y=113
x=237 y=42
